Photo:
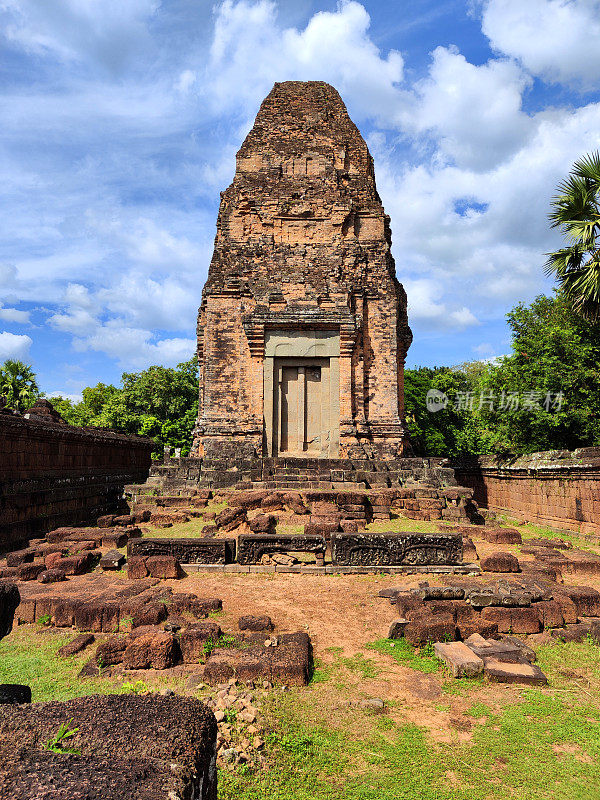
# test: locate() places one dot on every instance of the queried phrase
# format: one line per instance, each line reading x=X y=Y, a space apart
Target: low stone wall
x=558 y=488
x=53 y=474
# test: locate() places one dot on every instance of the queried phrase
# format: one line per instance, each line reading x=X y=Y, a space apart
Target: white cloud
x=74 y=398
x=424 y=305
x=334 y=46
x=13 y=345
x=474 y=111
x=107 y=31
x=558 y=40
x=13 y=315
x=133 y=348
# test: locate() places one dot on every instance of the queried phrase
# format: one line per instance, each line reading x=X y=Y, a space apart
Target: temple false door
x=303 y=418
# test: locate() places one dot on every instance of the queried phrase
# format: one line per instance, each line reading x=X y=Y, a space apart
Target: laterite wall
x=54 y=474
x=558 y=487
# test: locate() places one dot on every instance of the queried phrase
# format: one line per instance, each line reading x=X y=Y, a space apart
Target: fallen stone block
x=111 y=651
x=196 y=641
x=499 y=535
x=76 y=645
x=231 y=518
x=426 y=627
x=151 y=651
x=550 y=612
x=115 y=539
x=165 y=567
x=461 y=659
x=500 y=650
x=113 y=560
x=250 y=623
x=500 y=562
x=53 y=575
x=29 y=572
x=136 y=568
x=287 y=662
x=513 y=620
x=75 y=565
x=514 y=672
x=149 y=614
x=131 y=746
x=107 y=521
x=18 y=557
x=586 y=599
x=263 y=523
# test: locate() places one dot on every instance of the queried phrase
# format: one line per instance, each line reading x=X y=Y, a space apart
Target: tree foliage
x=544 y=395
x=18 y=385
x=576 y=212
x=160 y=402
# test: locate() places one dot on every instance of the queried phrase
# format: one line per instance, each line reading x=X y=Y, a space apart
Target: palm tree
x=576 y=211
x=18 y=384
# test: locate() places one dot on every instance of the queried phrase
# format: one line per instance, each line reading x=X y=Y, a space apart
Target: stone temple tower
x=302 y=331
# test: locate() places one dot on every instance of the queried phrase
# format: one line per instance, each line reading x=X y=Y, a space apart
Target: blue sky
x=121 y=119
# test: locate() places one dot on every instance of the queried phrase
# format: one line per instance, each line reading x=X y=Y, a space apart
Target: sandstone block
x=195 y=641
x=52 y=575
x=461 y=659
x=151 y=651
x=523 y=672
x=136 y=568
x=250 y=623
x=427 y=627
x=500 y=562
x=513 y=620
x=163 y=567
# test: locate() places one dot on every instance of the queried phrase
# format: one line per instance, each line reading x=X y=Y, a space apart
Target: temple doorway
x=302 y=407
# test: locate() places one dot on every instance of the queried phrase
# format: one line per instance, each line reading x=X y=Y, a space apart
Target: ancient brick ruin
x=54 y=474
x=302 y=331
x=557 y=488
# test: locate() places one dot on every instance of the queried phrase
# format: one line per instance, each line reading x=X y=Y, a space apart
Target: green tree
x=18 y=385
x=554 y=370
x=576 y=212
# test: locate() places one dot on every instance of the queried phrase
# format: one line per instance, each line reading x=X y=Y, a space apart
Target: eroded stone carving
x=395 y=549
x=186 y=551
x=252 y=547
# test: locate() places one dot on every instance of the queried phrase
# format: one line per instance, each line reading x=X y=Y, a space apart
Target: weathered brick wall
x=53 y=474
x=558 y=487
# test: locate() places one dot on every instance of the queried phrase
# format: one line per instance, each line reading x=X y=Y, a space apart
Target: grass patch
x=399 y=524
x=404 y=653
x=28 y=656
x=538 y=748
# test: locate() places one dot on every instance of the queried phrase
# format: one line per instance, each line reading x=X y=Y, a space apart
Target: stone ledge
x=330 y=569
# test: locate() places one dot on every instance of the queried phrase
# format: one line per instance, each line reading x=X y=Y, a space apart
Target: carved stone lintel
x=252 y=547
x=186 y=551
x=395 y=549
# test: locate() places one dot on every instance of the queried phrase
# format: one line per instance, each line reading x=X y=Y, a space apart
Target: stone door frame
x=298 y=345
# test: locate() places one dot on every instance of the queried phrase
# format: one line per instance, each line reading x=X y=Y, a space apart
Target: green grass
x=525 y=744
x=399 y=524
x=538 y=748
x=28 y=656
x=531 y=530
x=404 y=653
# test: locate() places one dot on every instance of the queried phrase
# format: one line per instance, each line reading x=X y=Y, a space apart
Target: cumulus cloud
x=113 y=158
x=474 y=111
x=13 y=315
x=558 y=40
x=13 y=345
